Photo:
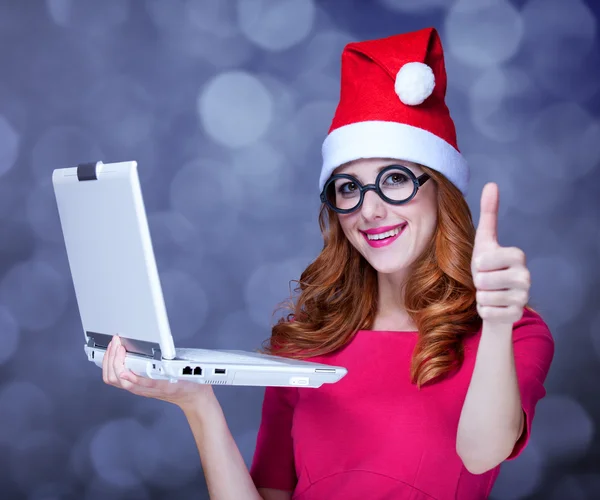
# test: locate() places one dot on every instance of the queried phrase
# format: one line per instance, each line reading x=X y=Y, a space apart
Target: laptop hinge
x=143 y=348
x=87 y=171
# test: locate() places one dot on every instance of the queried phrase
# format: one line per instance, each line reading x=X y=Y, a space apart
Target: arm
x=224 y=468
x=493 y=427
x=491 y=420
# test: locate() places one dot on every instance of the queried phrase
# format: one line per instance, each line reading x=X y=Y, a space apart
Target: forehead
x=369 y=167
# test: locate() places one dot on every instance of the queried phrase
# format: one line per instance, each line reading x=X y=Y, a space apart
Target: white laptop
x=118 y=289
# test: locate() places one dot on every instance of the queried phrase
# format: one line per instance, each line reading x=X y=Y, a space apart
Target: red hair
x=337 y=293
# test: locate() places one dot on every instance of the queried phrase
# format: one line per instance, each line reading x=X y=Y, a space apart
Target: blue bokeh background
x=224 y=105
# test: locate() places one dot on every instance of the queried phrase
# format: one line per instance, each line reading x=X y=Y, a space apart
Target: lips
x=383 y=229
x=383 y=236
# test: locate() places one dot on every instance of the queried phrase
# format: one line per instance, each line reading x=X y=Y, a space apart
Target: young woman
x=446 y=361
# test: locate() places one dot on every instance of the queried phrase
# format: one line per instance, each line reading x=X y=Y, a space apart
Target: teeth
x=382 y=236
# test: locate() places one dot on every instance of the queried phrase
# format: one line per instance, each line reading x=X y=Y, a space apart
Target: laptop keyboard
x=210 y=356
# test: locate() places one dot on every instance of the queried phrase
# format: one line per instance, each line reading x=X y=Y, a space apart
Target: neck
x=391 y=313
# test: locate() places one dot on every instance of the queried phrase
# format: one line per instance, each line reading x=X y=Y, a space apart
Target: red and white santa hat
x=392 y=105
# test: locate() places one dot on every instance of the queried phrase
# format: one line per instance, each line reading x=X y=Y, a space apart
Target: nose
x=373 y=206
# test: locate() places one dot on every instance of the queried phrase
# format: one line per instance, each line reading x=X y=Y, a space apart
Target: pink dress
x=373 y=435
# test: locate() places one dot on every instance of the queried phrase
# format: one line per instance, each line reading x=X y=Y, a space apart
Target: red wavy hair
x=337 y=293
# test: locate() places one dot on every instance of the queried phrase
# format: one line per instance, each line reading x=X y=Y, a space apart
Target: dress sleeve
x=273 y=462
x=533 y=348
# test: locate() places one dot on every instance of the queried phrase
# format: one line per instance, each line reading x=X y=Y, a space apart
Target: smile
x=383 y=236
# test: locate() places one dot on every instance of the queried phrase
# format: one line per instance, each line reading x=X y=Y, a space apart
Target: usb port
x=220 y=371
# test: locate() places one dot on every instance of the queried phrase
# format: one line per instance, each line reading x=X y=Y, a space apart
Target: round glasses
x=395 y=184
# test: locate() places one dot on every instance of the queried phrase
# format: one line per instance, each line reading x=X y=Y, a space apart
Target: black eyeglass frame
x=417 y=183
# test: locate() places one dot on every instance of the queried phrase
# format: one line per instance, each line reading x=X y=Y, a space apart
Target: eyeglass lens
x=395 y=184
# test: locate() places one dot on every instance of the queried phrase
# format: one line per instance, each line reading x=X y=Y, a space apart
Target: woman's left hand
x=499 y=273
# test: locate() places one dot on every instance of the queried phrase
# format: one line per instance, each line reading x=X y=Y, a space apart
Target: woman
x=445 y=360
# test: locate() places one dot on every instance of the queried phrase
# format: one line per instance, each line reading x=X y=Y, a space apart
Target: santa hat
x=392 y=106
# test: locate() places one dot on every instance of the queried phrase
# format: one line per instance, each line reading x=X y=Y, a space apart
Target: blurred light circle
x=500 y=102
x=312 y=121
x=247 y=444
x=172 y=232
x=186 y=303
x=414 y=6
x=207 y=194
x=9 y=145
x=318 y=86
x=200 y=29
x=35 y=294
x=520 y=478
x=563 y=429
x=38 y=458
x=237 y=329
x=558 y=272
x=562 y=142
x=276 y=25
x=491 y=168
x=483 y=32
x=10 y=335
x=123 y=452
x=323 y=51
x=235 y=109
x=88 y=15
x=121 y=110
x=216 y=18
x=269 y=286
x=42 y=212
x=179 y=463
x=259 y=165
x=559 y=42
x=61 y=147
x=24 y=407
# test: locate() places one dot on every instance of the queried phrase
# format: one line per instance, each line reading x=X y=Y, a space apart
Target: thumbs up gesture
x=500 y=275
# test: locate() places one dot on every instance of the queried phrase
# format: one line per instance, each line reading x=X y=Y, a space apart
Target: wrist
x=200 y=406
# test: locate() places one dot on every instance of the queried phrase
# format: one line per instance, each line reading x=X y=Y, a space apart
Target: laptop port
x=187 y=370
x=220 y=371
x=197 y=371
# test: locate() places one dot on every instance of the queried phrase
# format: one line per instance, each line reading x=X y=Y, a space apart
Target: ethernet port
x=197 y=371
x=187 y=370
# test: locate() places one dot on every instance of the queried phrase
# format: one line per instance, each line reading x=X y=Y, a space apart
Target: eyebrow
x=411 y=168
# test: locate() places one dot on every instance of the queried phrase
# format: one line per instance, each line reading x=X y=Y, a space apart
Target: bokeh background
x=224 y=104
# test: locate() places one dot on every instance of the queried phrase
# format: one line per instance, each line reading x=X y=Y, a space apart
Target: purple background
x=224 y=105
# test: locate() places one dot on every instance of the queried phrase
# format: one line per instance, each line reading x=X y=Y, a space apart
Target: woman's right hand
x=183 y=393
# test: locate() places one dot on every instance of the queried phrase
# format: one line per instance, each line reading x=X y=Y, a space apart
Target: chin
x=386 y=267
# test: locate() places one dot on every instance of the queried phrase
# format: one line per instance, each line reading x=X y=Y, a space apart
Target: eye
x=347 y=188
x=395 y=179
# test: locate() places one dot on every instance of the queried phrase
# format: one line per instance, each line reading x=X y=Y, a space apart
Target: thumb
x=487 y=230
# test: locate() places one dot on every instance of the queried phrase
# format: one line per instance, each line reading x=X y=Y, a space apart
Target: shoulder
x=532 y=340
x=531 y=324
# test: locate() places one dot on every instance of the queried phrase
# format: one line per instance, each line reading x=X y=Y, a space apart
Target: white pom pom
x=414 y=83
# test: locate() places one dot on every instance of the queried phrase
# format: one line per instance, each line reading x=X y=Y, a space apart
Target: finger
x=509 y=314
x=502 y=298
x=141 y=382
x=112 y=377
x=503 y=280
x=487 y=229
x=105 y=364
x=501 y=258
x=119 y=361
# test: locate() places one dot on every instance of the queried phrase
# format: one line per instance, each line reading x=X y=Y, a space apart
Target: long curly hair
x=337 y=293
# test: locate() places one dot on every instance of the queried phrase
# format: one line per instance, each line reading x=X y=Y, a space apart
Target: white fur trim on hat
x=414 y=83
x=380 y=139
